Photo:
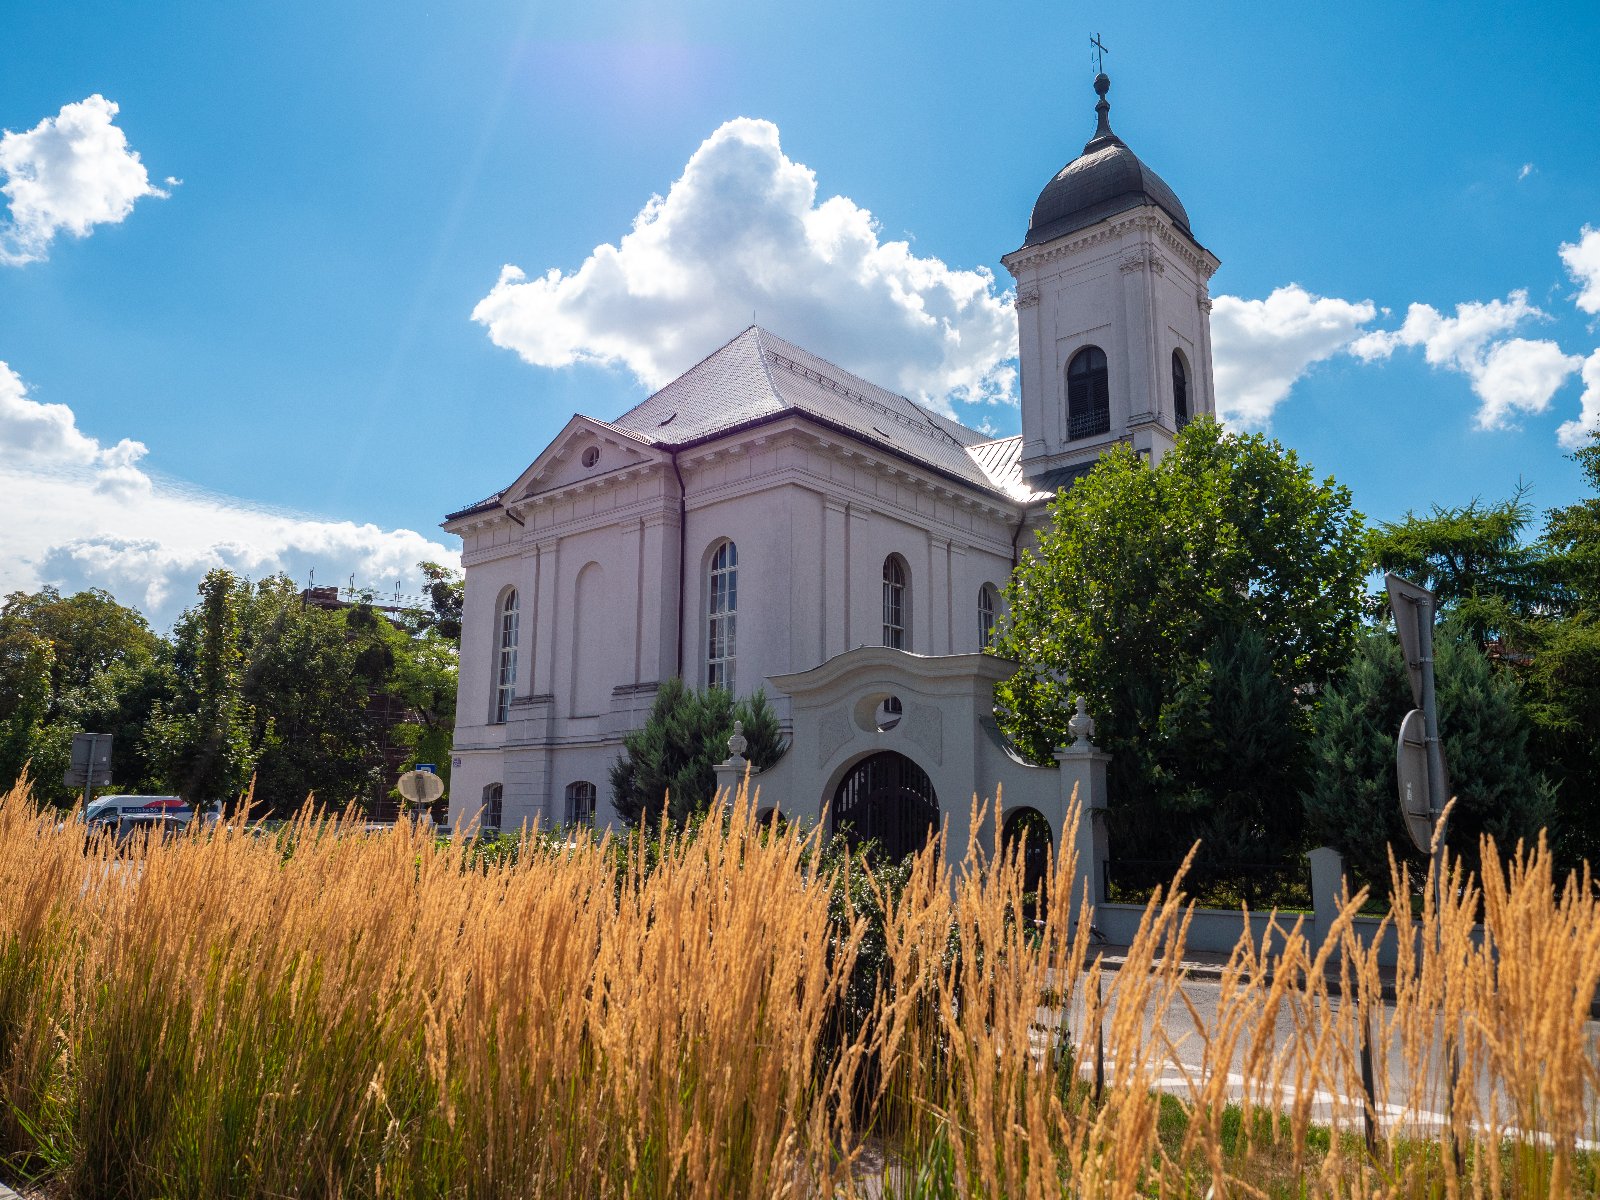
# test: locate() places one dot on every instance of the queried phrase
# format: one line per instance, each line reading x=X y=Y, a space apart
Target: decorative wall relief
x=834 y=729
x=924 y=725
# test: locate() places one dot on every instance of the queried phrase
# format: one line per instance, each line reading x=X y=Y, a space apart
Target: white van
x=115 y=806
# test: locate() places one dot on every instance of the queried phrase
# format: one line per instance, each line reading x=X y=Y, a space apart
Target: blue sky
x=288 y=331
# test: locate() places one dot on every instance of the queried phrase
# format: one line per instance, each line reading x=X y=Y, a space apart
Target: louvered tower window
x=1180 y=390
x=1088 y=394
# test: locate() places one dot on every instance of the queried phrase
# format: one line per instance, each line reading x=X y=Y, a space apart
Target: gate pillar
x=1083 y=771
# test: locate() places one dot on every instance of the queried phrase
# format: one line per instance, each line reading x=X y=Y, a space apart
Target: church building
x=769 y=512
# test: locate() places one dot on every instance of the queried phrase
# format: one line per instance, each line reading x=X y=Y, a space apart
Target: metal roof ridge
x=766 y=369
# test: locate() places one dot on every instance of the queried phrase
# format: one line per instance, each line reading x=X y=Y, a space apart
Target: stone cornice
x=594 y=483
x=1199 y=260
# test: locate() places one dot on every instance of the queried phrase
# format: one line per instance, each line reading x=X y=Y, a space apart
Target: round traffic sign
x=421 y=787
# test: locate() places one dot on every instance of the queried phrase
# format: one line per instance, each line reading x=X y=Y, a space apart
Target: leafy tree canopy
x=1474 y=560
x=1572 y=539
x=1145 y=573
x=445 y=589
x=71 y=664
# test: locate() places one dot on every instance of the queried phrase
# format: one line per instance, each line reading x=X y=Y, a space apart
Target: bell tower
x=1113 y=312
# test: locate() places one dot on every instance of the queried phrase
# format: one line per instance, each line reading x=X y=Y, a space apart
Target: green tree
x=309 y=675
x=1474 y=560
x=1232 y=754
x=1352 y=800
x=1572 y=539
x=1141 y=572
x=670 y=763
x=201 y=738
x=105 y=669
x=25 y=671
x=445 y=589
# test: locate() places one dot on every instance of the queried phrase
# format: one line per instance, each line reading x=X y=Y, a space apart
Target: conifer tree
x=1352 y=802
x=670 y=763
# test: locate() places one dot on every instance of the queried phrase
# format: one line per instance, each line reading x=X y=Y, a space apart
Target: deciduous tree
x=1140 y=573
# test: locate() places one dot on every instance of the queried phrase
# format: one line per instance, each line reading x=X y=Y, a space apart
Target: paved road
x=1175 y=1057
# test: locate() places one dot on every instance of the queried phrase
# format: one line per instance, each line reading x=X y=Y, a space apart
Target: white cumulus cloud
x=1582 y=260
x=33 y=434
x=69 y=173
x=1510 y=376
x=81 y=514
x=742 y=230
x=1260 y=348
x=1576 y=433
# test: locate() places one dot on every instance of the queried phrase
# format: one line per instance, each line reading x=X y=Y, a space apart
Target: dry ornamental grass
x=322 y=1013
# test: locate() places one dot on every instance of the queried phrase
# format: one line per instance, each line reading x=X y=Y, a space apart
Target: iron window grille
x=580 y=803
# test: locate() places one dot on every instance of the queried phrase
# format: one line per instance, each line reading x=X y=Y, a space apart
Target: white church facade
x=768 y=511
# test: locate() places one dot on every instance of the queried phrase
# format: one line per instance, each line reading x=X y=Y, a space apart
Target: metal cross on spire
x=1099 y=51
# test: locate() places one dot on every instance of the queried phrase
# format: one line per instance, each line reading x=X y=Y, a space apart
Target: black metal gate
x=888 y=799
x=1029 y=827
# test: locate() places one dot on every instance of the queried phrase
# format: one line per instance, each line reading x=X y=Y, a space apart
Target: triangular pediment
x=584 y=450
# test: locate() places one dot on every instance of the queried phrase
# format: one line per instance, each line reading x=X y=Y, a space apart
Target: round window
x=591 y=456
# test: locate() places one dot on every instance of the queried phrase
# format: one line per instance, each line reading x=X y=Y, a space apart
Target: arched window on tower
x=988 y=613
x=506 y=658
x=1180 y=390
x=896 y=603
x=722 y=616
x=1088 y=394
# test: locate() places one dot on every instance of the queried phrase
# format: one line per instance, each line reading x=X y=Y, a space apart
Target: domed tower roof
x=1107 y=178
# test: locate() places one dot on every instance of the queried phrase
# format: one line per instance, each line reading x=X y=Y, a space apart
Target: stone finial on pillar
x=732 y=773
x=1083 y=770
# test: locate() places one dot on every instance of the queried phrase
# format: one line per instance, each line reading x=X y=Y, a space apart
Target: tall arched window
x=493 y=809
x=988 y=612
x=1180 y=390
x=506 y=659
x=896 y=603
x=722 y=617
x=1088 y=394
x=580 y=803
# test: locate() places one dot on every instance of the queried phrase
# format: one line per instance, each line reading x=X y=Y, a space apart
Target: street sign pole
x=1406 y=599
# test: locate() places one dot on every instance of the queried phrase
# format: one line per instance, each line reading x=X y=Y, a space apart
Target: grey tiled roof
x=759 y=375
x=481 y=506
